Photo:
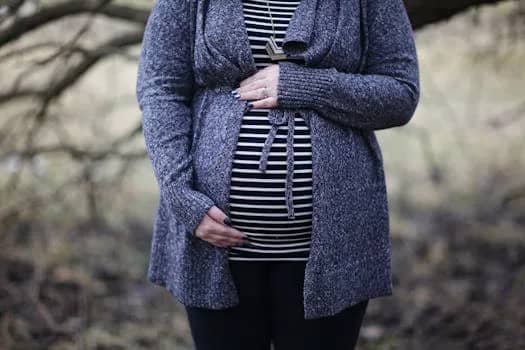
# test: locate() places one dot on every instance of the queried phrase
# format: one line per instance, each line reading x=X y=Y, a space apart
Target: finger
x=209 y=231
x=246 y=91
x=230 y=232
x=218 y=215
x=222 y=229
x=268 y=102
x=252 y=78
x=220 y=240
x=257 y=94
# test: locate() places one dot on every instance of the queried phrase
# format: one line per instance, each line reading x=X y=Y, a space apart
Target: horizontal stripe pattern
x=257 y=199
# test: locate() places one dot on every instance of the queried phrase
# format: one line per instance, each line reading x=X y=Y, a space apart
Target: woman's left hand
x=260 y=88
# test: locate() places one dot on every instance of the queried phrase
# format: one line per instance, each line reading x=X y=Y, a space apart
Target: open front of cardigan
x=361 y=75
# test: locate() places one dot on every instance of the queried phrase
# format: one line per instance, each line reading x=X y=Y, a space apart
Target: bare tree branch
x=64 y=9
x=73 y=74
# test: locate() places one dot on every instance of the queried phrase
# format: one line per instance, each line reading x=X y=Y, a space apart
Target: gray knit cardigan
x=361 y=75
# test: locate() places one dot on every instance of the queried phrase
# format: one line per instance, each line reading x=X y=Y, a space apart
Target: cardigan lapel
x=297 y=34
x=222 y=35
x=300 y=28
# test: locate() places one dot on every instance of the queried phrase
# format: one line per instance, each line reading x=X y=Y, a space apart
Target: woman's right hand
x=214 y=230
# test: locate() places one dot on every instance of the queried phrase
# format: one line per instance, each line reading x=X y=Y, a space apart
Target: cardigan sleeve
x=384 y=95
x=164 y=90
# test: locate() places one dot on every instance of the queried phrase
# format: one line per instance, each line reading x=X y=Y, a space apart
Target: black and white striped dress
x=257 y=199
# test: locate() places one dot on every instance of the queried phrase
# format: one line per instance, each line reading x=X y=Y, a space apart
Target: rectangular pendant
x=274 y=51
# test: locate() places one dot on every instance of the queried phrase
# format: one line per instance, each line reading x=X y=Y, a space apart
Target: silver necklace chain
x=271 y=17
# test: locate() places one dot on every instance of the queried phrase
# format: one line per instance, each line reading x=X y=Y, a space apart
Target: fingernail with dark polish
x=250 y=105
x=246 y=244
x=227 y=221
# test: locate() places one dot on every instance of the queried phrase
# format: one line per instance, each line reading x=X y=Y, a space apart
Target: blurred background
x=78 y=196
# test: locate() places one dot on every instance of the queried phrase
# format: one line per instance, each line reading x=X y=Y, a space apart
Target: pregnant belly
x=257 y=198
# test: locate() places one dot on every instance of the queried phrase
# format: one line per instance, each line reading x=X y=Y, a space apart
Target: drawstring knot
x=277 y=117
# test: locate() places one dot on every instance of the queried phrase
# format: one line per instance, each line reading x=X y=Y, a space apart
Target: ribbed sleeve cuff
x=303 y=87
x=190 y=206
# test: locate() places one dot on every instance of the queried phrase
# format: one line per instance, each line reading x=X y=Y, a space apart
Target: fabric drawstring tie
x=278 y=117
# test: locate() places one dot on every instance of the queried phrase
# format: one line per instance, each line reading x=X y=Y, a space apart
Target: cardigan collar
x=296 y=39
x=221 y=36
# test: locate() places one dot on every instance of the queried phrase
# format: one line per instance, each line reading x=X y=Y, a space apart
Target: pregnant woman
x=259 y=119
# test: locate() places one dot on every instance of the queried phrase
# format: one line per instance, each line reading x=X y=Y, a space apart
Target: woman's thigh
x=291 y=331
x=244 y=326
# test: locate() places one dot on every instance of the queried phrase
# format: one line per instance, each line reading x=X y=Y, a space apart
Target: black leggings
x=271 y=310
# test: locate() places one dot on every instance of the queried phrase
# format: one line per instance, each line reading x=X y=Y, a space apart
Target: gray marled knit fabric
x=361 y=74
